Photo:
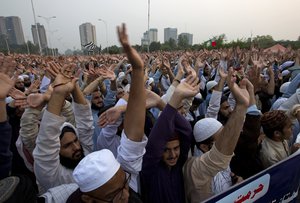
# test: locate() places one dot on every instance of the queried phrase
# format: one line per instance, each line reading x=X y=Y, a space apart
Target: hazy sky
x=204 y=19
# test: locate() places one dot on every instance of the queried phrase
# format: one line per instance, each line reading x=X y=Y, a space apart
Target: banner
x=279 y=183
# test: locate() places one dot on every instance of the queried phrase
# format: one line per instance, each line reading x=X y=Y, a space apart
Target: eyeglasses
x=117 y=192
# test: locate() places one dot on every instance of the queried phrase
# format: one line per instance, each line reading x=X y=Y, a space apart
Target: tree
x=154 y=46
x=263 y=41
x=183 y=42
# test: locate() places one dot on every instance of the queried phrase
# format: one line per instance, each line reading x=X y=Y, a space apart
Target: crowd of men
x=153 y=127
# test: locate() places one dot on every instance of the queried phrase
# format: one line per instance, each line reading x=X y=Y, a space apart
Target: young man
x=167 y=149
x=278 y=130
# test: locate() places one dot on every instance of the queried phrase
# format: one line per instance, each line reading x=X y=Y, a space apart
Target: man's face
x=287 y=130
x=97 y=99
x=20 y=85
x=27 y=82
x=115 y=190
x=171 y=153
x=70 y=147
x=225 y=109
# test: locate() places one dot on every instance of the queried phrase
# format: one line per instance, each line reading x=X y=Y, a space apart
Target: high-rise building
x=87 y=33
x=170 y=33
x=14 y=30
x=152 y=36
x=42 y=35
x=3 y=30
x=188 y=36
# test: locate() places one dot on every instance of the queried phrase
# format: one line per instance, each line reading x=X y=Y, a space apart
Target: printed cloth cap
x=273 y=119
x=205 y=128
x=95 y=170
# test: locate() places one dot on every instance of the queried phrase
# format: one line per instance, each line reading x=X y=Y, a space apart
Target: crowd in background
x=151 y=127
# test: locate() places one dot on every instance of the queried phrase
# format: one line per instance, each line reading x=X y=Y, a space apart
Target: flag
x=90 y=46
x=213 y=43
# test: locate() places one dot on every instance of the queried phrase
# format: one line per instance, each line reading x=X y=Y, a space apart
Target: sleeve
x=29 y=128
x=108 y=138
x=47 y=168
x=67 y=112
x=156 y=76
x=84 y=125
x=5 y=153
x=214 y=105
x=130 y=156
x=110 y=97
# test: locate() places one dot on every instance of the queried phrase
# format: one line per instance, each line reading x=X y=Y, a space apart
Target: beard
x=27 y=84
x=71 y=163
x=22 y=89
x=95 y=107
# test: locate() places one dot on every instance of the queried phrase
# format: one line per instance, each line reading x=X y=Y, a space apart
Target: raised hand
x=222 y=73
x=106 y=73
x=65 y=82
x=240 y=91
x=110 y=116
x=188 y=88
x=19 y=97
x=7 y=68
x=152 y=99
x=133 y=57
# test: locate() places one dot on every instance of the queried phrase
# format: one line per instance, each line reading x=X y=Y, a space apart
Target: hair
x=65 y=130
x=273 y=121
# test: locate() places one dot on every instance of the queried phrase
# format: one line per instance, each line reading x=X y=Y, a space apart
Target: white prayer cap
x=198 y=96
x=284 y=87
x=127 y=88
x=150 y=80
x=206 y=128
x=285 y=73
x=121 y=75
x=95 y=170
x=20 y=77
x=211 y=84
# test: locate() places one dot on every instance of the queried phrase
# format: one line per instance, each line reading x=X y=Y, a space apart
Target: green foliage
x=183 y=42
x=154 y=46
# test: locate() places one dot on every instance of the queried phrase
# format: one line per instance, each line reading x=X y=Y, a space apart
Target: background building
x=170 y=33
x=188 y=36
x=87 y=33
x=12 y=27
x=42 y=35
x=152 y=36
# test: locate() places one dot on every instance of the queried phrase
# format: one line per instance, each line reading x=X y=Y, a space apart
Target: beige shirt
x=199 y=172
x=272 y=152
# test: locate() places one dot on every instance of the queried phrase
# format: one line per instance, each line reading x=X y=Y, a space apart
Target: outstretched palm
x=6 y=85
x=133 y=57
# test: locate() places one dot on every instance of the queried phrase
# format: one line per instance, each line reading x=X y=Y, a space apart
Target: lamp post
x=148 y=25
x=37 y=31
x=47 y=19
x=106 y=34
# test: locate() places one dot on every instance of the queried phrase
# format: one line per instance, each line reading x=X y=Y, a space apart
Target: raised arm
x=6 y=84
x=135 y=115
x=230 y=133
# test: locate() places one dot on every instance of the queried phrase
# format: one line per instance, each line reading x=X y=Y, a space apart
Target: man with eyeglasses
x=101 y=177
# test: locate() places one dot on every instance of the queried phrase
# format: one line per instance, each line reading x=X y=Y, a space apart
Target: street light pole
x=37 y=30
x=148 y=25
x=47 y=19
x=106 y=34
